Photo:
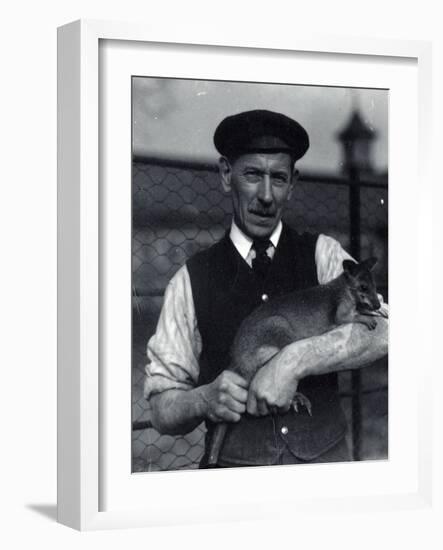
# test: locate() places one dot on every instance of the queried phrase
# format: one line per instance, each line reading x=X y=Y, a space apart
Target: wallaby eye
x=364 y=288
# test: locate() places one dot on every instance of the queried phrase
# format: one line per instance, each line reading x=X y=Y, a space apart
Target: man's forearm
x=349 y=346
x=178 y=411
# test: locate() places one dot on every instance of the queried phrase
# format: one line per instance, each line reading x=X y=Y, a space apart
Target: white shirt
x=243 y=243
x=174 y=350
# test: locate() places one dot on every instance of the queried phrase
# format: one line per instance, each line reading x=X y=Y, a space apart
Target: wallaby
x=349 y=298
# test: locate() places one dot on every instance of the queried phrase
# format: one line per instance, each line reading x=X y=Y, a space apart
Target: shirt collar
x=243 y=243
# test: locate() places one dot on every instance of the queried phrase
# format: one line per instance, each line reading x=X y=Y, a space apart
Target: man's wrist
x=202 y=402
x=291 y=362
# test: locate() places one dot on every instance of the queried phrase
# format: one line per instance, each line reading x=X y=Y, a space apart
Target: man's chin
x=262 y=228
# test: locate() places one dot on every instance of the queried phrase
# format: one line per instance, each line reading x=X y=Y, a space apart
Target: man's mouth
x=262 y=214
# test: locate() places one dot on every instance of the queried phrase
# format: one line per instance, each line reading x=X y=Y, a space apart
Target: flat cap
x=260 y=131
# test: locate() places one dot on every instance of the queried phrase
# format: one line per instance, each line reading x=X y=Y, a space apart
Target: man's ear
x=225 y=171
x=294 y=178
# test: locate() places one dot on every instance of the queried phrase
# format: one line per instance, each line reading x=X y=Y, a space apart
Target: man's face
x=260 y=185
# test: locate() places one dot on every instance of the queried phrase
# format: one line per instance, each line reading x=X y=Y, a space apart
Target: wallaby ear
x=369 y=263
x=349 y=266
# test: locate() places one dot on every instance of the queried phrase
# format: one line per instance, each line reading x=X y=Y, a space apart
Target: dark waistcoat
x=225 y=290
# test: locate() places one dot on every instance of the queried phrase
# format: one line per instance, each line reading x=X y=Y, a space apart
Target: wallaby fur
x=349 y=298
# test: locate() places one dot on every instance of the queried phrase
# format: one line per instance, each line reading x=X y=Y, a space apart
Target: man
x=188 y=377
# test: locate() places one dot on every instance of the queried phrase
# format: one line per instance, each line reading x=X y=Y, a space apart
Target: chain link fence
x=179 y=208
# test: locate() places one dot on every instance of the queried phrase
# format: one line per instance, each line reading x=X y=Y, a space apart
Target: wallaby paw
x=300 y=399
x=371 y=324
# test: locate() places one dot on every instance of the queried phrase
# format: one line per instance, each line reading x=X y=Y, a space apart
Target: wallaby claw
x=300 y=399
x=368 y=321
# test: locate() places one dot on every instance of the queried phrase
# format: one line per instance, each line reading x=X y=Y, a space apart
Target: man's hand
x=225 y=397
x=272 y=389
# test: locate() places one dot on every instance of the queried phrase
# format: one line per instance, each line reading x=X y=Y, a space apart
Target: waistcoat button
x=265 y=297
x=284 y=430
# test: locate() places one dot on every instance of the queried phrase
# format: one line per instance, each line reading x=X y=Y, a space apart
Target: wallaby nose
x=376 y=303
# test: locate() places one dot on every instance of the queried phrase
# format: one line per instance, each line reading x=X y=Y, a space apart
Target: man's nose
x=265 y=190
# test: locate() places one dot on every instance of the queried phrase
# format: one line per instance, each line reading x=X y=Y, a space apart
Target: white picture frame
x=83 y=397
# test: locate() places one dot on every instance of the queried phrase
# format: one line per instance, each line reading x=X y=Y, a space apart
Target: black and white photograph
x=259 y=274
x=222 y=267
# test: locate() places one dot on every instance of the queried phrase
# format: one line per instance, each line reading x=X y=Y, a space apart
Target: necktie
x=261 y=262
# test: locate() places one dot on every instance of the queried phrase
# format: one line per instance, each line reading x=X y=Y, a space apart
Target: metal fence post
x=355 y=249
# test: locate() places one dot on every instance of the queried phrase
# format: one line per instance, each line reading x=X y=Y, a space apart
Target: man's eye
x=252 y=174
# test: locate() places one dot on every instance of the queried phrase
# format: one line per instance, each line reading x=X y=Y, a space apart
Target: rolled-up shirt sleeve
x=173 y=351
x=329 y=256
